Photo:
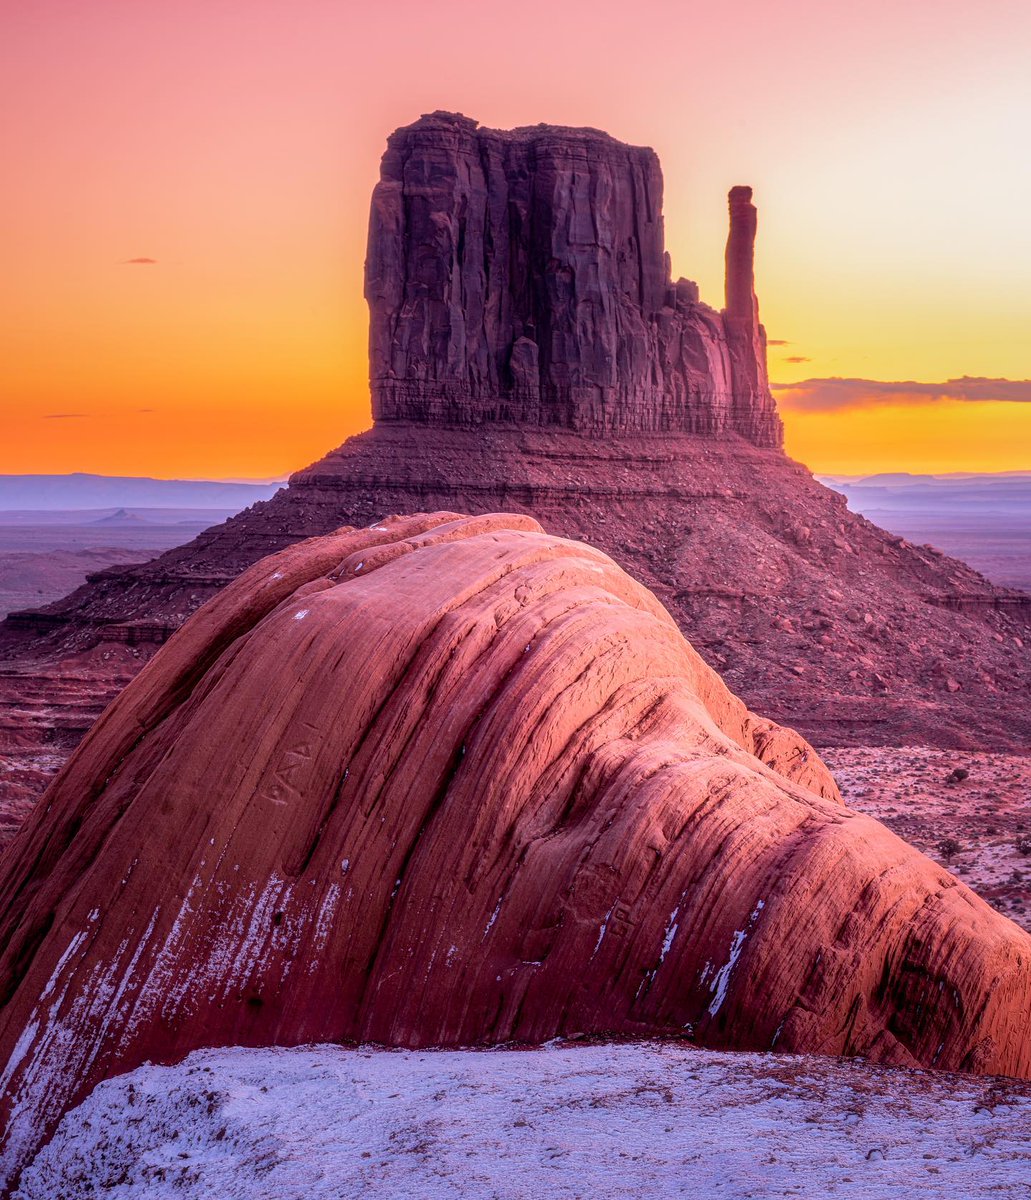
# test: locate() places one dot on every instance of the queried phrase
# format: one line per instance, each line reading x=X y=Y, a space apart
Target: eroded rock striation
x=521 y=277
x=452 y=780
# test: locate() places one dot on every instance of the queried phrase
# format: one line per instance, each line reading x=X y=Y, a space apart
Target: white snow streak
x=669 y=935
x=721 y=980
x=324 y=921
x=494 y=916
x=602 y=930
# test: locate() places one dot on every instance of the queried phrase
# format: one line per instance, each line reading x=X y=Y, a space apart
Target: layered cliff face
x=448 y=781
x=521 y=277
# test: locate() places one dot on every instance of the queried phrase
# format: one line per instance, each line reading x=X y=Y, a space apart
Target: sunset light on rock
x=515 y=600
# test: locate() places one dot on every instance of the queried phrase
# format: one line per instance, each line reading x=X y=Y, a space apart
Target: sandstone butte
x=451 y=781
x=530 y=351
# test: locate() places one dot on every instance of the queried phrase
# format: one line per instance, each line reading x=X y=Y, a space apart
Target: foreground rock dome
x=450 y=780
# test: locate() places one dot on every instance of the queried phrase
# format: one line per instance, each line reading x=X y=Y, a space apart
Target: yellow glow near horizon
x=929 y=438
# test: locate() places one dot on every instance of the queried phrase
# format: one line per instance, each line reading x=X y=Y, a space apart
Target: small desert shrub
x=948 y=847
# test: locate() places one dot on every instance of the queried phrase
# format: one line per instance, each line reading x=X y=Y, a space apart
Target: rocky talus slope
x=530 y=351
x=446 y=781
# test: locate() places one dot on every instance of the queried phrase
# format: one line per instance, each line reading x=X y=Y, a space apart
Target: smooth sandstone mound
x=447 y=781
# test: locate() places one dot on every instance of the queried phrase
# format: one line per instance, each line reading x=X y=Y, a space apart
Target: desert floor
x=565 y=1121
x=986 y=817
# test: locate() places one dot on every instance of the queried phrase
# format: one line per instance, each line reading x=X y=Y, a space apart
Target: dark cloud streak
x=835 y=394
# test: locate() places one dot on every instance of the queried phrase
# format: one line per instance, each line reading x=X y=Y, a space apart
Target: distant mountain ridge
x=908 y=477
x=984 y=519
x=121 y=517
x=1006 y=494
x=82 y=490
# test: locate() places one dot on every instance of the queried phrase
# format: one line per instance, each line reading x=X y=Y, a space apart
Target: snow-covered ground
x=594 y=1121
x=987 y=816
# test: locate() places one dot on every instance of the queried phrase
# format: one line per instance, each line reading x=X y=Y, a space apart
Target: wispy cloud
x=797 y=358
x=830 y=395
x=139 y=262
x=776 y=342
x=63 y=416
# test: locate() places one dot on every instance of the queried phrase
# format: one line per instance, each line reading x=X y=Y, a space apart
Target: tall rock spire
x=740 y=276
x=520 y=277
x=753 y=410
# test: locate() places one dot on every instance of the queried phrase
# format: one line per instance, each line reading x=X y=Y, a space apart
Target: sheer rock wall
x=521 y=277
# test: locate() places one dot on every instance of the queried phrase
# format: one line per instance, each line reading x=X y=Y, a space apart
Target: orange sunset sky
x=236 y=144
